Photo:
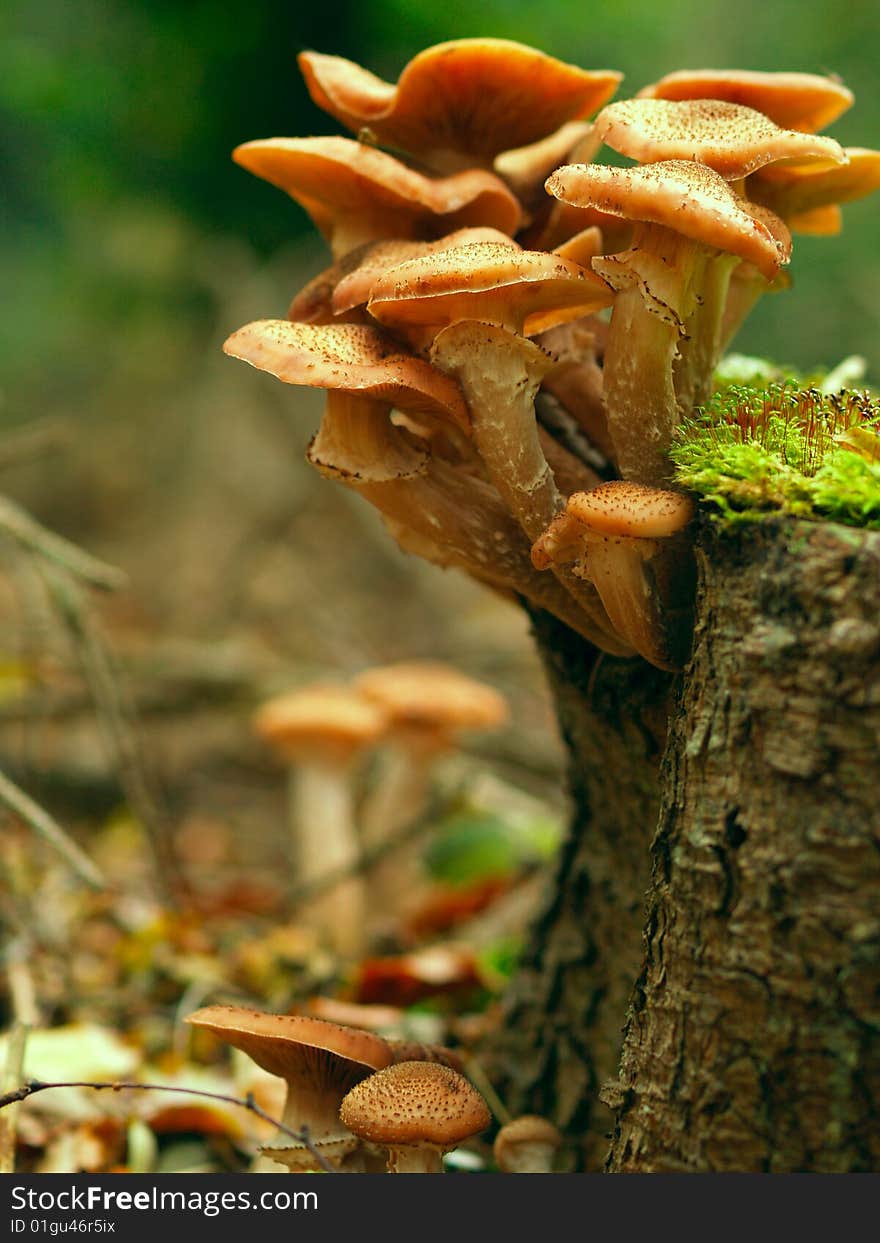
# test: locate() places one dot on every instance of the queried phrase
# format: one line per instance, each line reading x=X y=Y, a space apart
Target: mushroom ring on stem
x=628 y=540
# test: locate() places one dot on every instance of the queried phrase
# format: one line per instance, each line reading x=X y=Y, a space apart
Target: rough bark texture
x=562 y=1031
x=752 y=1041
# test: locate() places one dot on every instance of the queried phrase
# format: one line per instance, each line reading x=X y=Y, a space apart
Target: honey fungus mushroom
x=320 y=731
x=356 y=194
x=455 y=517
x=460 y=104
x=527 y=1145
x=319 y=1061
x=628 y=539
x=418 y=1111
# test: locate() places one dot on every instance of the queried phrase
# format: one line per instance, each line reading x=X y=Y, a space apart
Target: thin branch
x=18 y=524
x=23 y=806
x=248 y=1103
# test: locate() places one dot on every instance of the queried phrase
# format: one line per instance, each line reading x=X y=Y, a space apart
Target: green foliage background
x=126 y=223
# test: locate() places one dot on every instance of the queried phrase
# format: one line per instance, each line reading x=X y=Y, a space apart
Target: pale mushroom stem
x=745 y=289
x=422 y=1160
x=326 y=842
x=701 y=348
x=616 y=566
x=639 y=393
x=453 y=511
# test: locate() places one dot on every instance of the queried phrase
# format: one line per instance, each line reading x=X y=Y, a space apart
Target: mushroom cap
x=489 y=282
x=527 y=1130
x=732 y=139
x=417 y=1051
x=629 y=509
x=431 y=695
x=320 y=720
x=282 y=1043
x=332 y=176
x=801 y=101
x=475 y=97
x=682 y=195
x=349 y=358
x=413 y=1104
x=796 y=190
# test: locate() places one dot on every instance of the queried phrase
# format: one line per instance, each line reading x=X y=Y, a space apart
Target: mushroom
x=799 y=101
x=627 y=539
x=319 y=1061
x=806 y=196
x=689 y=230
x=459 y=104
x=319 y=731
x=418 y=1111
x=428 y=705
x=358 y=445
x=527 y=1145
x=356 y=194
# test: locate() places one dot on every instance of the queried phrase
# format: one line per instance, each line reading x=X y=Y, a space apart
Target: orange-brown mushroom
x=356 y=194
x=806 y=196
x=800 y=101
x=462 y=103
x=527 y=1145
x=690 y=228
x=320 y=1062
x=627 y=539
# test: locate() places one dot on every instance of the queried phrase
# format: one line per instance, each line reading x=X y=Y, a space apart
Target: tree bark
x=752 y=1034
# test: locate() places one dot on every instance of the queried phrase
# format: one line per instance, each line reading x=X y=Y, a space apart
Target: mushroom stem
x=701 y=347
x=326 y=841
x=427 y=1160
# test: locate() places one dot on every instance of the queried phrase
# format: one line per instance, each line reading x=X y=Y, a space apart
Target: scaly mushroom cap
x=624 y=508
x=285 y=1044
x=801 y=101
x=730 y=138
x=523 y=290
x=355 y=286
x=349 y=358
x=524 y=1135
x=415 y=1104
x=320 y=720
x=471 y=98
x=800 y=192
x=431 y=695
x=356 y=192
x=681 y=195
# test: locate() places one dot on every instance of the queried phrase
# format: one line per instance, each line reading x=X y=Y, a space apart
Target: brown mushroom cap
x=283 y=1043
x=413 y=1104
x=320 y=720
x=625 y=508
x=471 y=97
x=801 y=101
x=682 y=195
x=528 y=1131
x=797 y=190
x=732 y=139
x=350 y=358
x=432 y=695
x=352 y=188
x=524 y=290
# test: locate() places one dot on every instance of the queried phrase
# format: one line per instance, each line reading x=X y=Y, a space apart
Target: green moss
x=784 y=448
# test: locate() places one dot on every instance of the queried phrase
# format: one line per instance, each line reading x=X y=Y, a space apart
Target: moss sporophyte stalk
x=752 y=452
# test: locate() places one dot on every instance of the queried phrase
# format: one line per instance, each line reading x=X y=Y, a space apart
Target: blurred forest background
x=131 y=246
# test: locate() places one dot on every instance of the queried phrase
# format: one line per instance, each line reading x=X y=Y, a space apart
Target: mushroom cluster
x=511 y=326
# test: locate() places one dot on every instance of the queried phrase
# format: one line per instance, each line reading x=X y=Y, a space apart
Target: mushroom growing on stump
x=320 y=1062
x=628 y=540
x=356 y=194
x=319 y=732
x=686 y=219
x=460 y=104
x=428 y=705
x=527 y=1145
x=418 y=1111
x=449 y=510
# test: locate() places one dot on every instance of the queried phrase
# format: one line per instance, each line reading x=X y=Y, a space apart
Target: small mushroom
x=320 y=731
x=627 y=539
x=807 y=196
x=527 y=1145
x=320 y=1062
x=418 y=1111
x=459 y=104
x=356 y=194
